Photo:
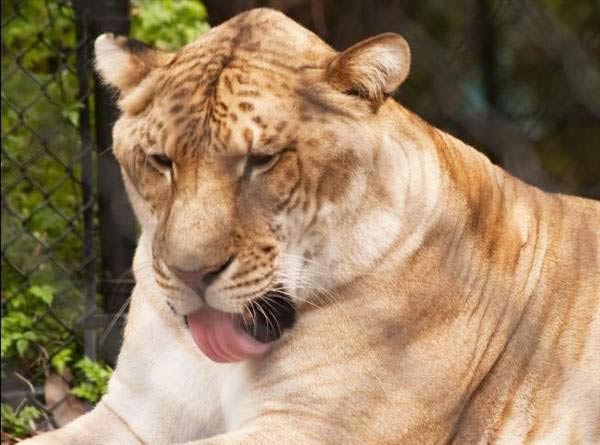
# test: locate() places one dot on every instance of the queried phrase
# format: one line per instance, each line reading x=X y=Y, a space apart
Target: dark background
x=517 y=79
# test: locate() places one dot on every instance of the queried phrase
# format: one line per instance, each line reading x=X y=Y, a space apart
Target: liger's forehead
x=234 y=89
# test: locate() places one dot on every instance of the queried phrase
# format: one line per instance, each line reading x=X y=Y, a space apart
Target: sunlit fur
x=439 y=299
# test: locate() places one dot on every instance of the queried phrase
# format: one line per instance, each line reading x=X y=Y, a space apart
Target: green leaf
x=44 y=293
x=168 y=24
x=86 y=391
x=60 y=360
x=96 y=376
x=18 y=423
x=22 y=346
x=71 y=113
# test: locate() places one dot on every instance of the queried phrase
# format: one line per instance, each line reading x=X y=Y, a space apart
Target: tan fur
x=64 y=407
x=440 y=299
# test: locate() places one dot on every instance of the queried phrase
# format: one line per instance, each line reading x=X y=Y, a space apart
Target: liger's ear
x=371 y=69
x=123 y=62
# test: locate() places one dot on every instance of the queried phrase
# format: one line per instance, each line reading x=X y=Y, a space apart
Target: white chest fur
x=234 y=382
x=161 y=369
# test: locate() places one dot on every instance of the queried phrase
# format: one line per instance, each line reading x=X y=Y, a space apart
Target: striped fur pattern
x=439 y=299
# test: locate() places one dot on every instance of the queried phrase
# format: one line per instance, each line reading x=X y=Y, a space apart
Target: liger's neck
x=468 y=237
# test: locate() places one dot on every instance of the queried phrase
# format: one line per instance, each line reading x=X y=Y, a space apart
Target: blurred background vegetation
x=519 y=80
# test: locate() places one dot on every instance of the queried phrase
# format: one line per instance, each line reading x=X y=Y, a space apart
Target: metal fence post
x=116 y=220
x=87 y=185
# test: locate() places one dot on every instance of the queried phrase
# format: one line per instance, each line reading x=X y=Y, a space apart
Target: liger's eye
x=161 y=161
x=261 y=162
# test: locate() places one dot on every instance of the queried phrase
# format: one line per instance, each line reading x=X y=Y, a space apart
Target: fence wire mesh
x=48 y=251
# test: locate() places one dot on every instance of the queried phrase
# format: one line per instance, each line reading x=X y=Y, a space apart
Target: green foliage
x=94 y=381
x=168 y=24
x=40 y=181
x=18 y=424
x=24 y=324
x=61 y=359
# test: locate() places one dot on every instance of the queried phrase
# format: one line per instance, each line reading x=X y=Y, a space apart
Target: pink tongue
x=220 y=338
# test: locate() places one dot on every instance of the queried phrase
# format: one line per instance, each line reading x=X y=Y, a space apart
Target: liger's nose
x=202 y=278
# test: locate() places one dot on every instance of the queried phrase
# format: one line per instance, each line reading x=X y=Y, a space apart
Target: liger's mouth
x=224 y=337
x=266 y=318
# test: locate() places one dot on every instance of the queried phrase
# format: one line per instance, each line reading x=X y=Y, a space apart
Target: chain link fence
x=52 y=314
x=517 y=79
